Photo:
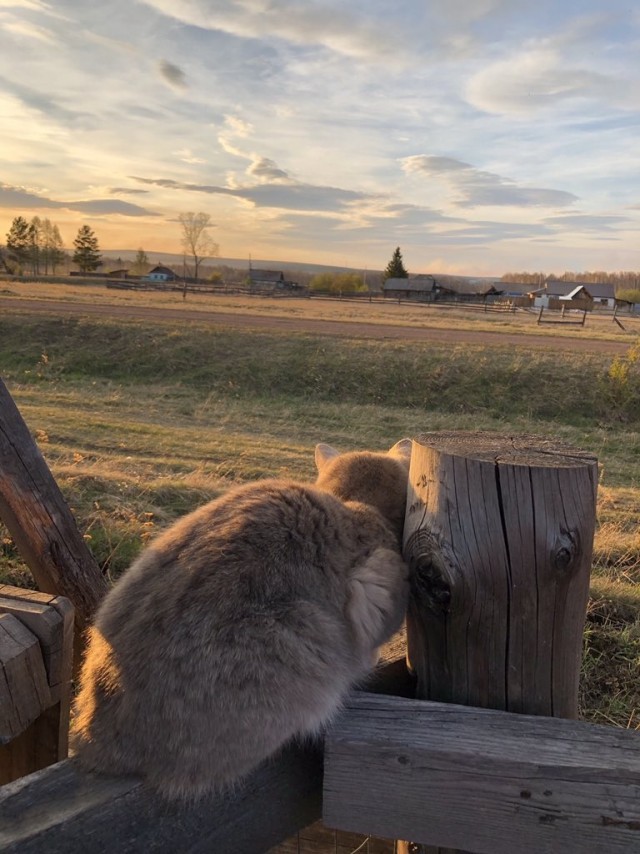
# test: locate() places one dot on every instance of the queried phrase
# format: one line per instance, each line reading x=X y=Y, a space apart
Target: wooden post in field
x=39 y=520
x=498 y=534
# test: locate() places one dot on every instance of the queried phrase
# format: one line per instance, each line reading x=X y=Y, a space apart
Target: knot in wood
x=564 y=553
x=428 y=577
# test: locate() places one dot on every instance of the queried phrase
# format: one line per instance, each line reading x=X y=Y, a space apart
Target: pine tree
x=395 y=267
x=18 y=242
x=87 y=253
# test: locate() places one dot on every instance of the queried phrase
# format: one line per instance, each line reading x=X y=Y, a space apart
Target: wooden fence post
x=39 y=520
x=499 y=536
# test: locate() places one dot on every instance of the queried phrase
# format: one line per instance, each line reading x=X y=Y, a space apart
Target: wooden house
x=161 y=274
x=414 y=288
x=597 y=294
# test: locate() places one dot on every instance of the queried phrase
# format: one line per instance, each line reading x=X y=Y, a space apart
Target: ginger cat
x=245 y=624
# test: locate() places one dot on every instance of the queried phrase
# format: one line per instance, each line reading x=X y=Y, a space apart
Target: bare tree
x=196 y=241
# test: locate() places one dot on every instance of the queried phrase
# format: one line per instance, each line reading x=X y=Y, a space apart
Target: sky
x=479 y=136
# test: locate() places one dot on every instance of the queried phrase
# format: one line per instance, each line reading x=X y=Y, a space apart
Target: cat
x=244 y=625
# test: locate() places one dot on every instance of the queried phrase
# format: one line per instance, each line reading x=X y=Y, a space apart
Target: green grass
x=140 y=424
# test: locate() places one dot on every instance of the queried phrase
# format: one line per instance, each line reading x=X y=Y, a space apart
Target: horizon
x=477 y=137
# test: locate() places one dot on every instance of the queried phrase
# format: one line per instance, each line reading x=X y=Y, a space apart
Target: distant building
x=601 y=294
x=270 y=280
x=428 y=288
x=415 y=288
x=161 y=274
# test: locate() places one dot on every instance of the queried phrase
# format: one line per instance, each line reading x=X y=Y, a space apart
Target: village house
x=416 y=288
x=161 y=274
x=428 y=288
x=601 y=294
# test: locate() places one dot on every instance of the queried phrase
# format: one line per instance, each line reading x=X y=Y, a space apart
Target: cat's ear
x=324 y=455
x=402 y=449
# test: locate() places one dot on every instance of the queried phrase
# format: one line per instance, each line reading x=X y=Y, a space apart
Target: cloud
x=172 y=74
x=42 y=103
x=21 y=199
x=476 y=188
x=131 y=190
x=30 y=31
x=541 y=76
x=267 y=170
x=312 y=23
x=586 y=222
x=291 y=196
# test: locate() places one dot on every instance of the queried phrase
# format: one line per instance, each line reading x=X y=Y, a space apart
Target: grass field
x=141 y=423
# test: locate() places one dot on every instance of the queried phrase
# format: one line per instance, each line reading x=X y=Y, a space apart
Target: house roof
x=518 y=288
x=470 y=285
x=161 y=269
x=266 y=276
x=417 y=284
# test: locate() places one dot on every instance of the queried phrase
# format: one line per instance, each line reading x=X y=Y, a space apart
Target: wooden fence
x=464 y=751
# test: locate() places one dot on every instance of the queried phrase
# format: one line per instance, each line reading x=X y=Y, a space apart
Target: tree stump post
x=499 y=537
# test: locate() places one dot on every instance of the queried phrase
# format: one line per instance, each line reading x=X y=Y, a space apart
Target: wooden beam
x=481 y=780
x=63 y=811
x=39 y=520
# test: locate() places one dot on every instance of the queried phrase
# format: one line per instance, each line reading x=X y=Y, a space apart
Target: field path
x=341 y=328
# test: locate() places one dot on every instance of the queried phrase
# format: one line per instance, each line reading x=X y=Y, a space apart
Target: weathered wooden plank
x=62 y=811
x=485 y=781
x=39 y=520
x=36 y=611
x=25 y=692
x=41 y=740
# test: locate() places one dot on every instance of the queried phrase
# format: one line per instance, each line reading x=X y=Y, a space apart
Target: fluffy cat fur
x=245 y=624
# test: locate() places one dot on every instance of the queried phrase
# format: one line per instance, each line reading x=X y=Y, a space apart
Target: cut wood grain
x=24 y=691
x=480 y=780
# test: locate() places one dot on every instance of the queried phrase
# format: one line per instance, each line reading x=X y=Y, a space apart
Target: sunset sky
x=480 y=136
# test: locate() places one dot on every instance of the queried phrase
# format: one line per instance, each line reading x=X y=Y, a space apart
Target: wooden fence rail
x=485 y=781
x=480 y=780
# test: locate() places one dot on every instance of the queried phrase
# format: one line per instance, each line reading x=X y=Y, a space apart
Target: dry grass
x=140 y=425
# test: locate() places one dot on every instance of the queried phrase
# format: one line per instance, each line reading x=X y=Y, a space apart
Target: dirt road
x=346 y=329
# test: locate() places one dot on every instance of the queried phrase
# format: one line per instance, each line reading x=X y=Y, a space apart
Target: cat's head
x=377 y=479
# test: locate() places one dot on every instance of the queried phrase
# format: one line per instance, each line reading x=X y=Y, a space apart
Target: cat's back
x=258 y=542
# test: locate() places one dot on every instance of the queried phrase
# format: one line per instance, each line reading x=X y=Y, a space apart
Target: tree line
x=35 y=246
